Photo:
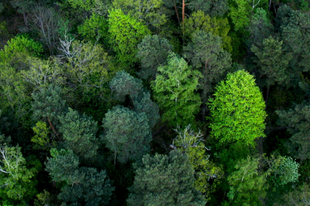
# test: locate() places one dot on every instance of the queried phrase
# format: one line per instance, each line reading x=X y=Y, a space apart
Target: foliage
x=16 y=180
x=127 y=134
x=237 y=109
x=82 y=184
x=214 y=8
x=95 y=27
x=206 y=171
x=41 y=139
x=149 y=12
x=297 y=197
x=152 y=52
x=273 y=61
x=206 y=54
x=164 y=180
x=79 y=134
x=216 y=26
x=296 y=121
x=125 y=34
x=285 y=170
x=48 y=105
x=20 y=43
x=247 y=185
x=174 y=90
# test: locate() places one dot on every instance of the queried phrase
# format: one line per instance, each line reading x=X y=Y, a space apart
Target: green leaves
x=125 y=34
x=237 y=109
x=127 y=134
x=164 y=180
x=174 y=90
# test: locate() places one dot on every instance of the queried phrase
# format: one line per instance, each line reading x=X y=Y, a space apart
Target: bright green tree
x=20 y=44
x=152 y=52
x=127 y=134
x=174 y=90
x=125 y=34
x=79 y=134
x=237 y=109
x=199 y=21
x=165 y=180
x=80 y=185
x=206 y=171
x=205 y=53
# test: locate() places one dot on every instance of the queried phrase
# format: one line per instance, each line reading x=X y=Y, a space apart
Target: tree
x=297 y=123
x=23 y=7
x=152 y=52
x=206 y=54
x=17 y=181
x=164 y=180
x=125 y=34
x=214 y=8
x=237 y=109
x=294 y=33
x=198 y=21
x=46 y=22
x=20 y=44
x=247 y=184
x=81 y=184
x=174 y=90
x=273 y=61
x=259 y=28
x=127 y=134
x=149 y=12
x=241 y=10
x=124 y=84
x=79 y=134
x=48 y=105
x=207 y=174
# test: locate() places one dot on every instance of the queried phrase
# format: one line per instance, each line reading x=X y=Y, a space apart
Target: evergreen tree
x=127 y=134
x=81 y=185
x=164 y=180
x=206 y=54
x=297 y=122
x=214 y=8
x=79 y=134
x=237 y=109
x=152 y=52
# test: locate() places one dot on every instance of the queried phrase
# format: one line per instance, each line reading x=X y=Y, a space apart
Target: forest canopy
x=154 y=102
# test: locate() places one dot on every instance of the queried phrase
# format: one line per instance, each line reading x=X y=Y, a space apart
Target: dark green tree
x=273 y=62
x=127 y=134
x=205 y=53
x=237 y=109
x=124 y=84
x=48 y=105
x=80 y=185
x=174 y=90
x=79 y=134
x=214 y=8
x=165 y=180
x=297 y=123
x=152 y=52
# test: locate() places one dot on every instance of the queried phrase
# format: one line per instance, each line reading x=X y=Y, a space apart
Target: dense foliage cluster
x=154 y=102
